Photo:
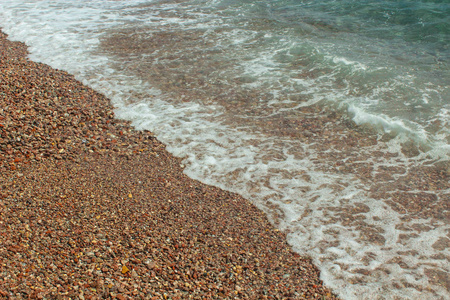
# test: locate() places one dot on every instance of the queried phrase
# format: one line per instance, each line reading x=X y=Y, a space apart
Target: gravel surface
x=92 y=209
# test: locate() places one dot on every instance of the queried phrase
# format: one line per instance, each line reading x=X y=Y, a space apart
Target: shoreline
x=92 y=208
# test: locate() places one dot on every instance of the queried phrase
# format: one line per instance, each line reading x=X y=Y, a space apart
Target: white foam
x=439 y=144
x=342 y=60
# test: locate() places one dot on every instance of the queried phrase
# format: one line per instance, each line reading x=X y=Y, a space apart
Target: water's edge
x=370 y=208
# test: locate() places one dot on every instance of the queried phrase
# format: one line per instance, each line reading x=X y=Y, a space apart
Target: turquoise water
x=382 y=59
x=333 y=117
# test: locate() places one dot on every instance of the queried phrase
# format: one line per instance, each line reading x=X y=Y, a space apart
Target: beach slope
x=92 y=209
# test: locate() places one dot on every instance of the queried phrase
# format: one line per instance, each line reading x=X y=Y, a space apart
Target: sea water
x=333 y=117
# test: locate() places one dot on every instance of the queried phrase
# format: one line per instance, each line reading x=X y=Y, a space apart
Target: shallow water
x=332 y=117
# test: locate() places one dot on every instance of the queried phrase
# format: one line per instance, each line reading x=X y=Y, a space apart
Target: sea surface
x=333 y=117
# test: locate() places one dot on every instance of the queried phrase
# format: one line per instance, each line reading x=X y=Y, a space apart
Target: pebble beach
x=92 y=209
